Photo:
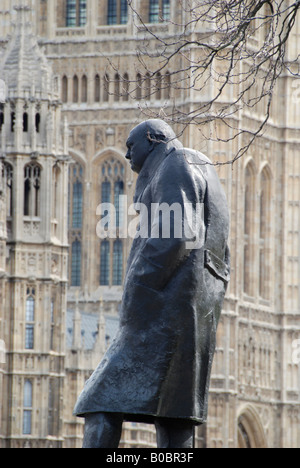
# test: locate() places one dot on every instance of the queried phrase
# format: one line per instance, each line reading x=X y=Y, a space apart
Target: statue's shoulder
x=184 y=165
x=194 y=157
x=178 y=158
x=190 y=156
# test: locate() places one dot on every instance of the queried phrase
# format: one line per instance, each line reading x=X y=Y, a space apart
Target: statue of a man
x=157 y=369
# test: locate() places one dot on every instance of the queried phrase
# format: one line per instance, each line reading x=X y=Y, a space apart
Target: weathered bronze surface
x=159 y=364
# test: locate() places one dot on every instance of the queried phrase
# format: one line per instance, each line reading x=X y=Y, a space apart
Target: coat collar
x=148 y=171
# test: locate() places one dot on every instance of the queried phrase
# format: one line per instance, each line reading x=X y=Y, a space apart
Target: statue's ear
x=153 y=141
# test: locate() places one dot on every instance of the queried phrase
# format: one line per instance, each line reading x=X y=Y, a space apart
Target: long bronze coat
x=160 y=361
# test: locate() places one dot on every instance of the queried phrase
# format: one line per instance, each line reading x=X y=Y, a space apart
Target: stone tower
x=35 y=182
x=2 y=279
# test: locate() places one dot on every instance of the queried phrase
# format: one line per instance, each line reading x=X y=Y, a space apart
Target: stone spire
x=31 y=115
x=24 y=67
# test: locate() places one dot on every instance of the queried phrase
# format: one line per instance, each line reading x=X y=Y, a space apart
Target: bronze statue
x=158 y=367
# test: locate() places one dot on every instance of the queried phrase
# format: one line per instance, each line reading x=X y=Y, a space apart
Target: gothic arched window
x=111 y=251
x=65 y=89
x=25 y=122
x=1 y=116
x=27 y=407
x=147 y=87
x=82 y=13
x=105 y=263
x=75 y=196
x=154 y=11
x=37 y=122
x=71 y=13
x=75 y=223
x=249 y=220
x=117 y=263
x=106 y=88
x=166 y=10
x=76 y=13
x=123 y=12
x=250 y=432
x=264 y=234
x=159 y=10
x=112 y=185
x=111 y=255
x=117 y=12
x=32 y=185
x=112 y=14
x=139 y=86
x=117 y=87
x=30 y=319
x=76 y=263
x=7 y=174
x=125 y=87
x=119 y=190
x=84 y=89
x=97 y=88
x=12 y=121
x=56 y=173
x=75 y=89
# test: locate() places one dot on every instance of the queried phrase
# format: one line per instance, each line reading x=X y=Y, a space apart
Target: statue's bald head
x=156 y=129
x=145 y=137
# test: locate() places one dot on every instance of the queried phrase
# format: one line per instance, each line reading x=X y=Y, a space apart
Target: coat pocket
x=216 y=266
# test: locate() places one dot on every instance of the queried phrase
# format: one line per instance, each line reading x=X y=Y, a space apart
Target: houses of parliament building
x=63 y=128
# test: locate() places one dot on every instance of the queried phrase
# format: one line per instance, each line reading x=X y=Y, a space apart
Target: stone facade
x=34 y=173
x=2 y=280
x=254 y=397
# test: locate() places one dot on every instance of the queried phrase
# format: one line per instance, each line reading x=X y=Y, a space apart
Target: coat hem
x=143 y=418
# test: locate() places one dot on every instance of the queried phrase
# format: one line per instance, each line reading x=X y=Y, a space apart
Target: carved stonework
x=55 y=265
x=23 y=263
x=31 y=228
x=110 y=136
x=99 y=139
x=32 y=263
x=81 y=136
x=121 y=137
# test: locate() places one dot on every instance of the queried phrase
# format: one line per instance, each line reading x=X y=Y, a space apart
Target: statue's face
x=139 y=148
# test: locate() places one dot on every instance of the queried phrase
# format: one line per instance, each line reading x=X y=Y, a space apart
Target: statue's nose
x=128 y=155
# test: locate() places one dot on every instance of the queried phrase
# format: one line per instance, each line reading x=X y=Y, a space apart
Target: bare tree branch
x=222 y=58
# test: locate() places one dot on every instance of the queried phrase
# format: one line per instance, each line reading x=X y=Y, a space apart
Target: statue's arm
x=175 y=193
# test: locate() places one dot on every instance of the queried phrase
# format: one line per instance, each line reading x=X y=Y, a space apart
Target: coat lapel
x=148 y=171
